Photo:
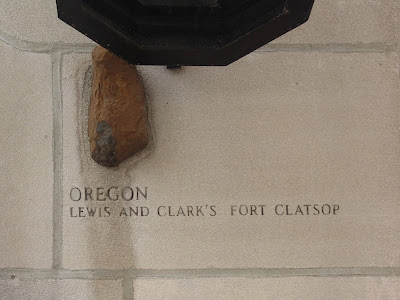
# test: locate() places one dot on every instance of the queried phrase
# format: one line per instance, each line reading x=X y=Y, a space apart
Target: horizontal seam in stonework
x=330 y=48
x=274 y=47
x=62 y=274
x=37 y=47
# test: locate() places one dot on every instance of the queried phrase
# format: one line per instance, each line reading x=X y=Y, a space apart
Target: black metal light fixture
x=183 y=32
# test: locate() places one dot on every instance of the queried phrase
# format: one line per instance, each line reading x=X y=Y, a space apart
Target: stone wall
x=276 y=177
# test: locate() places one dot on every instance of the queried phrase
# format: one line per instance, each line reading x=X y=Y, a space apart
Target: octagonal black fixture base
x=183 y=32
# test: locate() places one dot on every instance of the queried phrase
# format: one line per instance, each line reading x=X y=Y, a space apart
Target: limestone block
x=37 y=21
x=292 y=129
x=348 y=21
x=117 y=112
x=68 y=289
x=329 y=288
x=26 y=159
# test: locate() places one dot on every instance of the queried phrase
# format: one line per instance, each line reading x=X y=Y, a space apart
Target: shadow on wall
x=109 y=222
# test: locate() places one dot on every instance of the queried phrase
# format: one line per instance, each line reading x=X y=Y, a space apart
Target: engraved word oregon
x=105 y=202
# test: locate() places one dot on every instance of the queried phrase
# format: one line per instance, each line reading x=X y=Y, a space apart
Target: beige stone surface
x=297 y=128
x=26 y=165
x=69 y=289
x=348 y=21
x=367 y=288
x=36 y=21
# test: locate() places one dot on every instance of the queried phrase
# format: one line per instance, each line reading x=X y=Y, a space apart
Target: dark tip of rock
x=104 y=153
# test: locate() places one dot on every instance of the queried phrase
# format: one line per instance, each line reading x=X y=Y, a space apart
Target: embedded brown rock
x=117 y=114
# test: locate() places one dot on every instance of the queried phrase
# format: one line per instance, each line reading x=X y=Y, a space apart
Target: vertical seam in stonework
x=398 y=59
x=56 y=59
x=127 y=287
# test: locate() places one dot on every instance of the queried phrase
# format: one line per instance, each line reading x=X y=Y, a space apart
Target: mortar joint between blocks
x=43 y=47
x=127 y=286
x=56 y=60
x=127 y=276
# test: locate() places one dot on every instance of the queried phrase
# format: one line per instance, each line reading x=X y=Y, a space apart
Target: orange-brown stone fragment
x=117 y=113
